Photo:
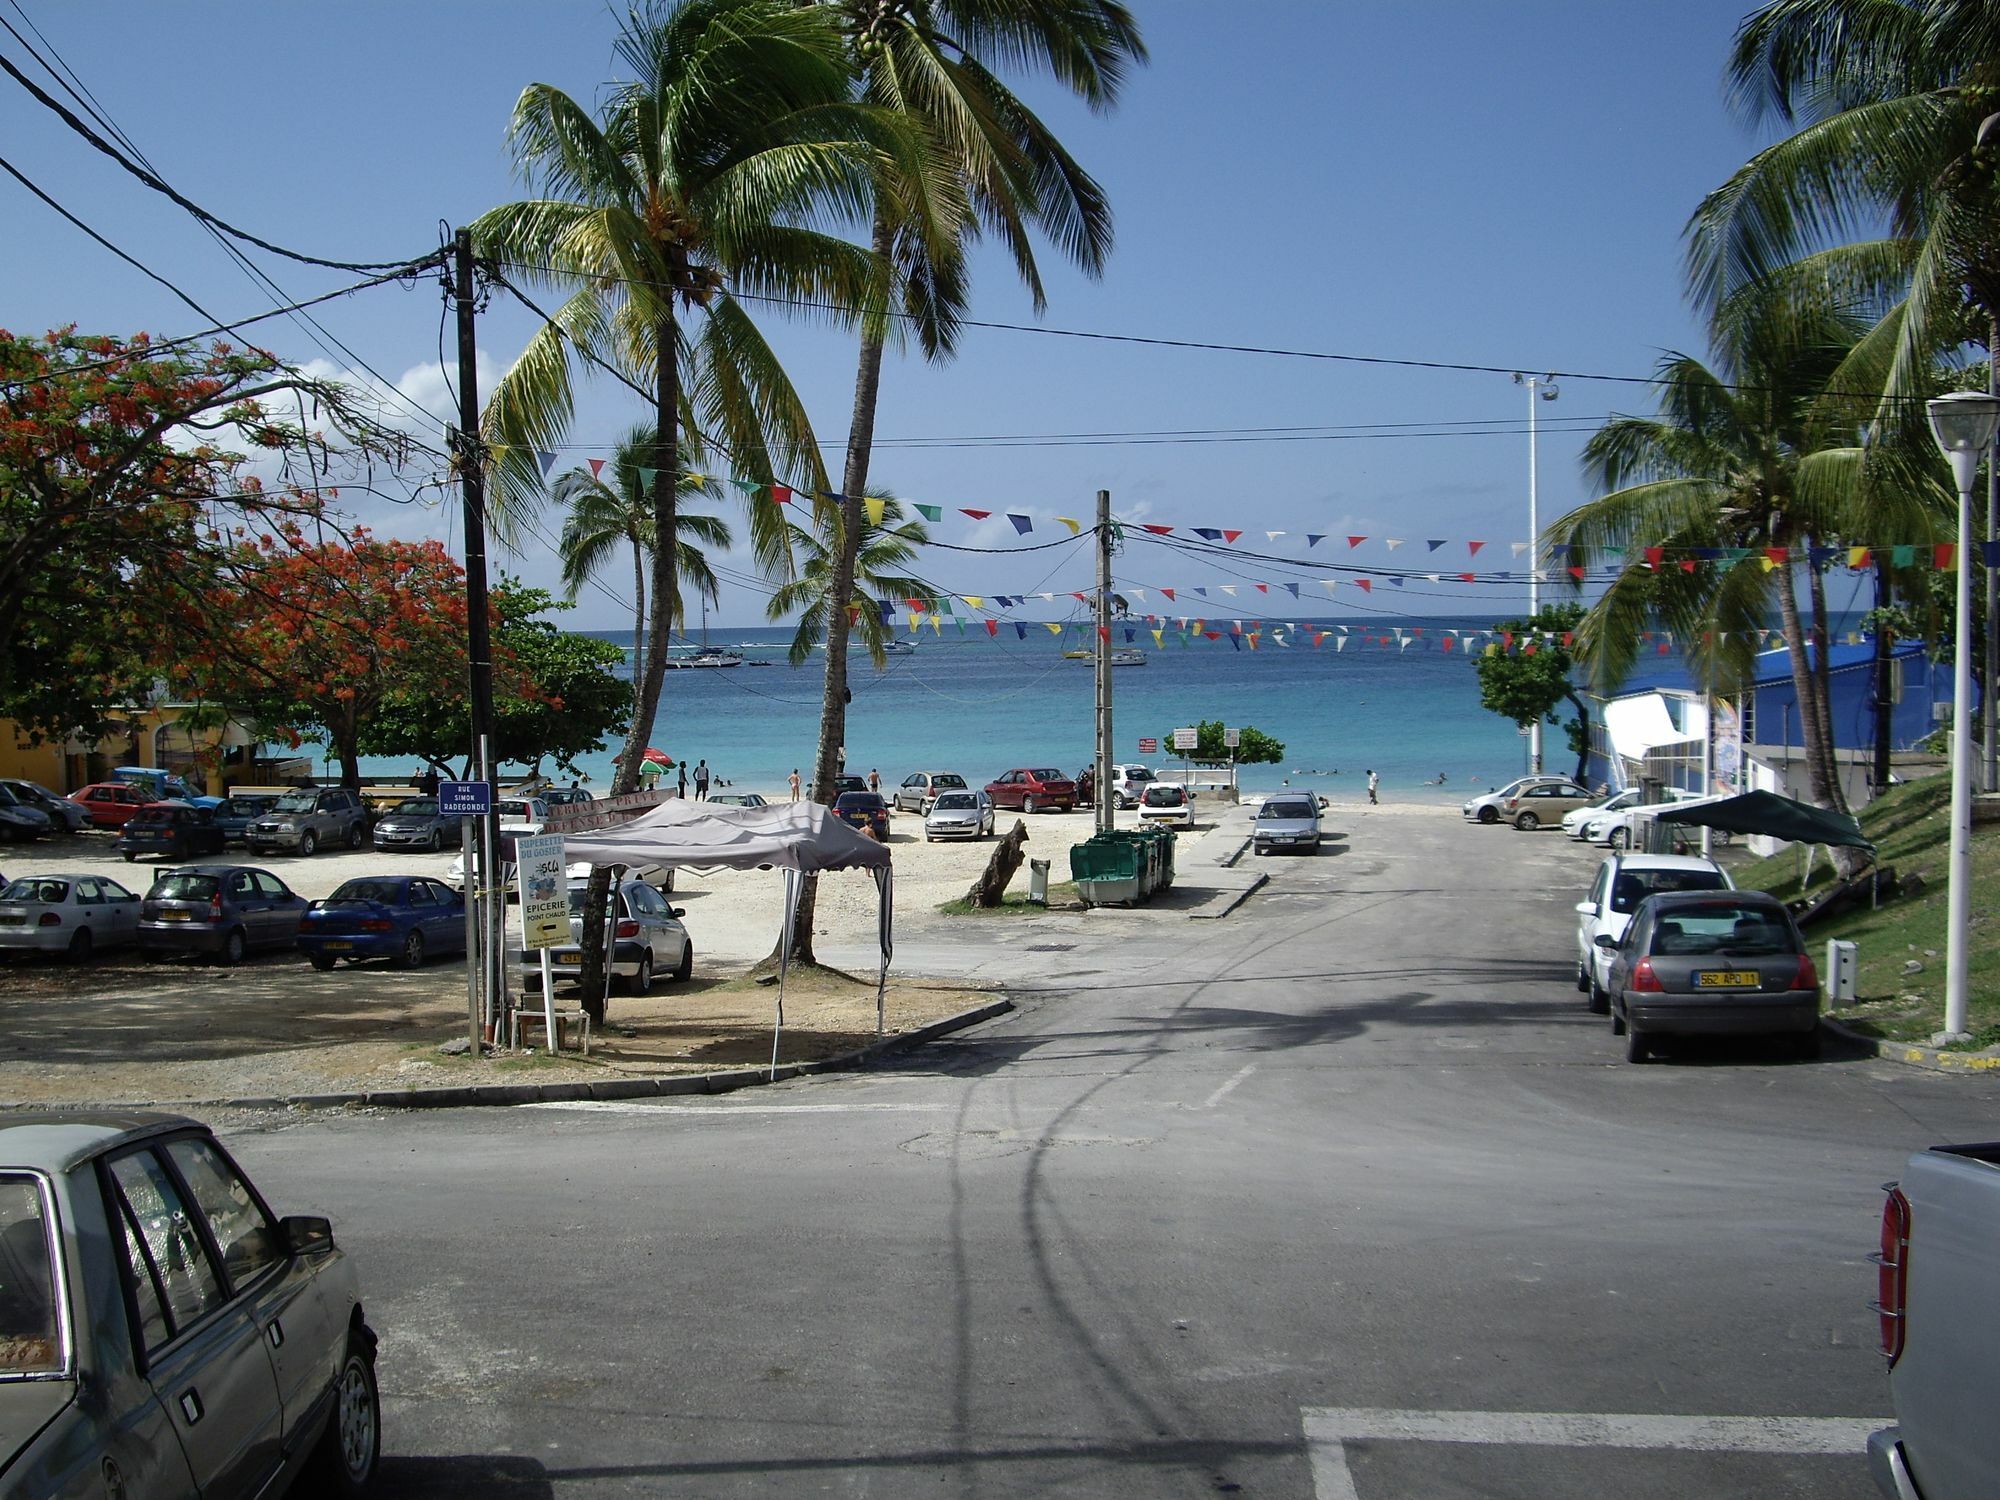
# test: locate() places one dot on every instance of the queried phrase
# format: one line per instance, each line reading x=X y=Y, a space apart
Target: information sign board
x=544 y=892
x=465 y=799
x=1185 y=739
x=1149 y=747
x=1232 y=738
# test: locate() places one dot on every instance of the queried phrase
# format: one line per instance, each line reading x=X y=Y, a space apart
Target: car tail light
x=215 y=907
x=376 y=924
x=628 y=928
x=1643 y=977
x=1892 y=1272
x=1808 y=977
x=50 y=919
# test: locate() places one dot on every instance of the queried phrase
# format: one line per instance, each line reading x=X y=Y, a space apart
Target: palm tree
x=1759 y=452
x=603 y=515
x=885 y=545
x=996 y=168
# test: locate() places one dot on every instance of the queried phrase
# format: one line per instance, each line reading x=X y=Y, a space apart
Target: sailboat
x=707 y=656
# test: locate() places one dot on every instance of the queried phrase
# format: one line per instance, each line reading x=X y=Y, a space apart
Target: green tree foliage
x=1525 y=679
x=557 y=695
x=887 y=543
x=1255 y=748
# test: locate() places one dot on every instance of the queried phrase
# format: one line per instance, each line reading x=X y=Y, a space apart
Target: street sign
x=1232 y=738
x=538 y=871
x=1185 y=739
x=1149 y=747
x=464 y=799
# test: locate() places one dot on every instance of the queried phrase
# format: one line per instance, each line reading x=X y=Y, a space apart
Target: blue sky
x=1468 y=183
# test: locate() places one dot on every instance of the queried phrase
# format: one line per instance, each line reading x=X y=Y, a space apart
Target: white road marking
x=1328 y=1429
x=661 y=1106
x=1223 y=1093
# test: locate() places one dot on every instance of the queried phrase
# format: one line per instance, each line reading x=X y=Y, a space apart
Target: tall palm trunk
x=839 y=624
x=639 y=636
x=1819 y=765
x=1822 y=651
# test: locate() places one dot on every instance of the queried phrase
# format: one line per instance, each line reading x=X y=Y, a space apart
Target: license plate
x=1728 y=979
x=337 y=945
x=569 y=960
x=175 y=916
x=12 y=919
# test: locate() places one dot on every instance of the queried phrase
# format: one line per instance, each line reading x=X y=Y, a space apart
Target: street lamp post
x=1964 y=424
x=1544 y=387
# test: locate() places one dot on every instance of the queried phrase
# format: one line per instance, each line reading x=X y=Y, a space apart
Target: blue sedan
x=401 y=917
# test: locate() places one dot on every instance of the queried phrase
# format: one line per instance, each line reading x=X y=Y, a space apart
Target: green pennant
x=1611 y=552
x=1902 y=557
x=1734 y=555
x=748 y=486
x=944 y=606
x=930 y=512
x=646 y=477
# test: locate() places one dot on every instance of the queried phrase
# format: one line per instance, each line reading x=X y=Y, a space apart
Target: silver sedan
x=69 y=914
x=959 y=815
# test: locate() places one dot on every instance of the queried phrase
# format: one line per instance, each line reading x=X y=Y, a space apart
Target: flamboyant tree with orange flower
x=120 y=490
x=316 y=634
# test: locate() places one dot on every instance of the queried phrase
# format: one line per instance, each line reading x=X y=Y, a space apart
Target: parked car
x=21 y=820
x=161 y=786
x=959 y=815
x=167 y=1333
x=404 y=917
x=70 y=914
x=1546 y=802
x=415 y=824
x=1168 y=804
x=173 y=829
x=1623 y=881
x=219 y=910
x=737 y=799
x=865 y=811
x=1626 y=828
x=1726 y=963
x=921 y=789
x=108 y=804
x=1485 y=808
x=647 y=938
x=846 y=783
x=1129 y=782
x=235 y=813
x=1289 y=820
x=309 y=817
x=1574 y=820
x=520 y=817
x=1032 y=791
x=65 y=815
x=563 y=796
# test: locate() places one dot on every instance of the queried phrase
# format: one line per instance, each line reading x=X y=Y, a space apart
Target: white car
x=1623 y=829
x=1487 y=807
x=1575 y=818
x=959 y=815
x=68 y=914
x=1129 y=783
x=1623 y=881
x=520 y=817
x=1165 y=803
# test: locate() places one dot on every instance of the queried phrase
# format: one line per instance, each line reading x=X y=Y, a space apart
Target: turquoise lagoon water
x=979 y=705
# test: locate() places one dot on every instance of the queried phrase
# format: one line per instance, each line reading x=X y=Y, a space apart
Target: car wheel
x=233 y=944
x=1582 y=979
x=1030 y=805
x=413 y=951
x=686 y=966
x=1527 y=822
x=1600 y=1002
x=130 y=857
x=1637 y=1050
x=436 y=841
x=1617 y=1017
x=308 y=842
x=79 y=946
x=319 y=961
x=1621 y=838
x=348 y=1452
x=1489 y=815
x=641 y=983
x=354 y=837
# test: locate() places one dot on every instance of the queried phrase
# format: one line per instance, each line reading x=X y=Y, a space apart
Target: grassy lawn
x=1910 y=826
x=1012 y=904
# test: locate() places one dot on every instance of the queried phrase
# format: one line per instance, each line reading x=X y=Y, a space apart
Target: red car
x=111 y=804
x=1033 y=791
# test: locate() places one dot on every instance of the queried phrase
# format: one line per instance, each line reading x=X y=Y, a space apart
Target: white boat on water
x=1122 y=656
x=707 y=656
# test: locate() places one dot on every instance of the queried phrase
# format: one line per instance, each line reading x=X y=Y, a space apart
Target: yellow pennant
x=875 y=507
x=975 y=600
x=1857 y=557
x=937 y=625
x=1052 y=628
x=1159 y=640
x=1074 y=526
x=916 y=620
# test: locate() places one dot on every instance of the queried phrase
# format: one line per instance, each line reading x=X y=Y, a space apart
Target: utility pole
x=480 y=863
x=1544 y=387
x=1989 y=753
x=1104 y=799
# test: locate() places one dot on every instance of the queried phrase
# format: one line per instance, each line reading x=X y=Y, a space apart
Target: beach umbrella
x=654 y=757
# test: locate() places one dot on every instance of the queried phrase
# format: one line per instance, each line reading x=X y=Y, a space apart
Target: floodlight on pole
x=1963 y=424
x=1543 y=386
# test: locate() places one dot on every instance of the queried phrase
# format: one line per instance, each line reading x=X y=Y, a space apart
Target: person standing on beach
x=701 y=781
x=1374 y=786
x=874 y=780
x=795 y=783
x=681 y=770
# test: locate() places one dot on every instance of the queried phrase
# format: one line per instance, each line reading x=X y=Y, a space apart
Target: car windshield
x=30 y=1334
x=1633 y=886
x=1288 y=810
x=1138 y=773
x=383 y=891
x=183 y=886
x=516 y=810
x=242 y=804
x=947 y=780
x=1722 y=928
x=1048 y=776
x=951 y=801
x=1164 y=796
x=858 y=802
x=416 y=807
x=46 y=892
x=294 y=802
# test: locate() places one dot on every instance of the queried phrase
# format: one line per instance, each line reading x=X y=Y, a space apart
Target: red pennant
x=1263 y=588
x=1530 y=649
x=917 y=604
x=992 y=627
x=1654 y=556
x=1169 y=593
x=1662 y=651
x=1366 y=585
x=781 y=494
x=977 y=515
x=1506 y=640
x=1568 y=636
x=1158 y=531
x=596 y=468
x=1231 y=536
x=1104 y=632
x=1468 y=578
x=1687 y=565
x=1778 y=555
x=853 y=614
x=1577 y=574
x=1356 y=541
x=1472 y=548
x=1213 y=635
x=1445 y=644
x=1941 y=555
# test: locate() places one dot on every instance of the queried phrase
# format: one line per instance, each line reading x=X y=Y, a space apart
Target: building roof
x=1670 y=673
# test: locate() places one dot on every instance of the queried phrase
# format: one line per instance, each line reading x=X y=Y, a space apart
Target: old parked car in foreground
x=109 y=803
x=69 y=914
x=1623 y=881
x=1167 y=804
x=864 y=811
x=166 y=1334
x=67 y=816
x=21 y=819
x=921 y=789
x=1486 y=807
x=309 y=817
x=1723 y=963
x=235 y=813
x=1538 y=806
x=646 y=937
x=1289 y=820
x=403 y=917
x=416 y=824
x=1032 y=791
x=959 y=815
x=222 y=911
x=172 y=829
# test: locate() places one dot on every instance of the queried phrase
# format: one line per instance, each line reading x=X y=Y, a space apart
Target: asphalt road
x=1318 y=1200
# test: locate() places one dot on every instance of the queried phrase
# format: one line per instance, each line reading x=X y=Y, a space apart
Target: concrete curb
x=1937 y=1060
x=1227 y=901
x=490 y=1095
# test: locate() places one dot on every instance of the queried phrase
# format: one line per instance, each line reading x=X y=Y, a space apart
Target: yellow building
x=212 y=759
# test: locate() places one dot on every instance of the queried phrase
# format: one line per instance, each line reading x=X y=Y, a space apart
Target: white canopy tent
x=799 y=838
